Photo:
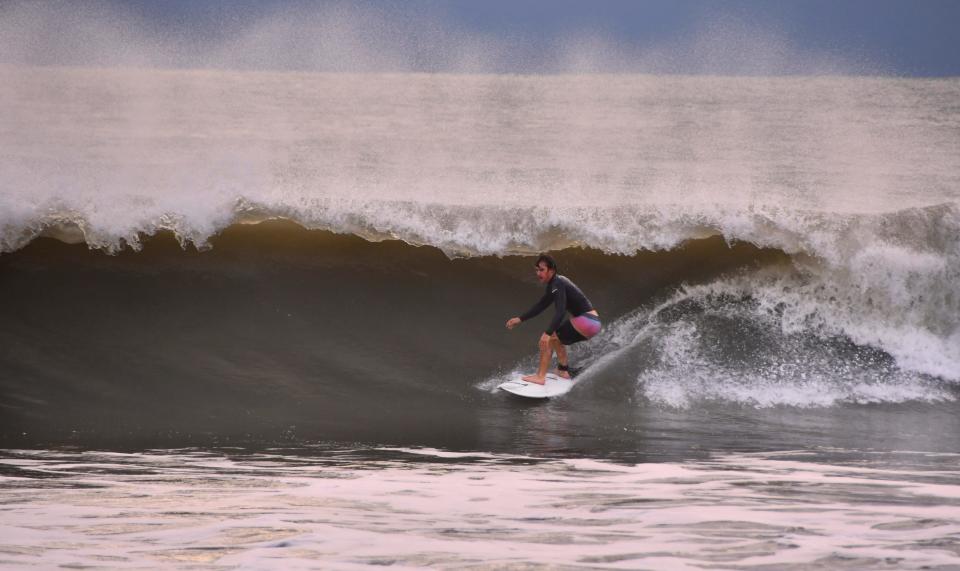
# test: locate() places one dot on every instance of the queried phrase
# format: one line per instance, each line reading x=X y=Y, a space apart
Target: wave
x=890 y=281
x=485 y=229
x=277 y=326
x=786 y=308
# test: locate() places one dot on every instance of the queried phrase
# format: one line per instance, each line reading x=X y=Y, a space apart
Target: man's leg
x=546 y=355
x=561 y=350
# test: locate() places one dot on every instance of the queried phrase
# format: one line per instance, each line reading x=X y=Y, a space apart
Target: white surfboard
x=554 y=387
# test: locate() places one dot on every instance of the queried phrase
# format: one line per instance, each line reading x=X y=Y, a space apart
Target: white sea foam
x=268 y=511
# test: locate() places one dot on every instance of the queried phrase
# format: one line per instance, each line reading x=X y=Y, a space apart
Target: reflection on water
x=350 y=508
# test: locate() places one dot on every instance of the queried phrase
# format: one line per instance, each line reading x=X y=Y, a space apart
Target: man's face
x=544 y=274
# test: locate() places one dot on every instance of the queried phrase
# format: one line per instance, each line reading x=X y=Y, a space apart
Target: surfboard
x=554 y=387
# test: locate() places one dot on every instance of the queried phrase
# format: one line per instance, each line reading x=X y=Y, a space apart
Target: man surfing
x=565 y=296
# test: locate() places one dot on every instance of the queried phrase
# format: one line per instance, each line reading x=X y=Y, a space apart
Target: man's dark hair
x=548 y=260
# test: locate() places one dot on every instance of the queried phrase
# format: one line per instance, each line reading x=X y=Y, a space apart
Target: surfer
x=565 y=296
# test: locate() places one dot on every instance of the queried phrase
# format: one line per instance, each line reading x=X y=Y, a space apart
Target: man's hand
x=513 y=322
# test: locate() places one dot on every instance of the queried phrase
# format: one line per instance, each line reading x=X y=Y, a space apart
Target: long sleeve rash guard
x=565 y=296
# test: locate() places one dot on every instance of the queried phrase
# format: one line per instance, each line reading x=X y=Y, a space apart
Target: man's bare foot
x=561 y=374
x=535 y=379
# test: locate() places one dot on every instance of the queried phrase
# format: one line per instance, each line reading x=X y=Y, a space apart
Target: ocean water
x=316 y=508
x=256 y=319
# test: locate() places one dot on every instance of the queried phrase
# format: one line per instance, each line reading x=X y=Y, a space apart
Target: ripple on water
x=737 y=512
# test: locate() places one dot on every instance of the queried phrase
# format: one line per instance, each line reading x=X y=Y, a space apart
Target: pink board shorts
x=579 y=328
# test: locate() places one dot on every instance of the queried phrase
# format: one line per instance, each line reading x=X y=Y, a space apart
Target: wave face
x=275 y=242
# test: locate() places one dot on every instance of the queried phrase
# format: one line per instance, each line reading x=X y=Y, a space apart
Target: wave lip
x=920 y=234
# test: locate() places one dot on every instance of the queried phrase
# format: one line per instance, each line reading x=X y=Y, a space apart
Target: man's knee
x=549 y=342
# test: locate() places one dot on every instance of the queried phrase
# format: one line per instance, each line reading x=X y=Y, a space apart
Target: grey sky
x=899 y=37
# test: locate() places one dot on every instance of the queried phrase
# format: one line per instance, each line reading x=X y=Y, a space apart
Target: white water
x=417 y=508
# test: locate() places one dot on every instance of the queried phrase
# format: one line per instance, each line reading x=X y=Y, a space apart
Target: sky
x=866 y=37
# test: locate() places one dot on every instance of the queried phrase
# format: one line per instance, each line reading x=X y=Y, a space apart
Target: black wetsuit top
x=565 y=296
